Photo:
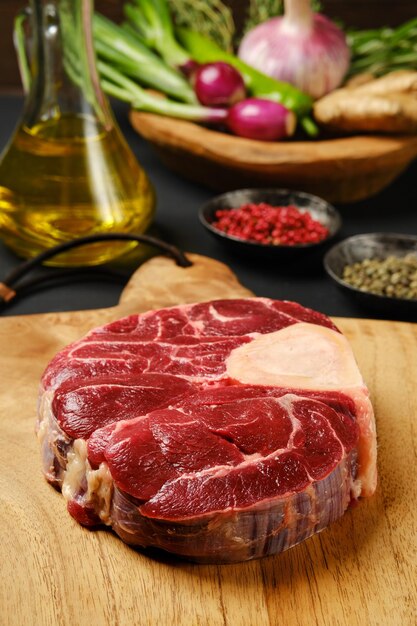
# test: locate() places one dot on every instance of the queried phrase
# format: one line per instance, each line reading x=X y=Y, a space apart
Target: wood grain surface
x=345 y=169
x=359 y=572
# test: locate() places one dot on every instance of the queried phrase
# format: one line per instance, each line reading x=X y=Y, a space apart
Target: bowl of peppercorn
x=379 y=270
x=274 y=223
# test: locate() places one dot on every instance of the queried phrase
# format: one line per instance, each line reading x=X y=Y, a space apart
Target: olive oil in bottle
x=66 y=178
x=67 y=171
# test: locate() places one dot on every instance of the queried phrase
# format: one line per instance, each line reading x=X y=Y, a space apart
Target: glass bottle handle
x=20 y=44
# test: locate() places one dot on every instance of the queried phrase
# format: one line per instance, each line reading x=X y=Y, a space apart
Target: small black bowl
x=372 y=246
x=319 y=209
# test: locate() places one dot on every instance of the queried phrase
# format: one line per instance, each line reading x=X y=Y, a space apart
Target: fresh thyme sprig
x=261 y=10
x=208 y=17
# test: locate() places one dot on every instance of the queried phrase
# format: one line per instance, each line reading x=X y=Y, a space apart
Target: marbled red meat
x=220 y=431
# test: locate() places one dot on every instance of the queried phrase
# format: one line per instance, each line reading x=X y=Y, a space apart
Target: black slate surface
x=393 y=210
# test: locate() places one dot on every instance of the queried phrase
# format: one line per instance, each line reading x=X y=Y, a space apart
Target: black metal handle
x=8 y=290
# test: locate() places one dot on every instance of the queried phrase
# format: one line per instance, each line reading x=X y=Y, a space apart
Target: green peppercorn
x=392 y=276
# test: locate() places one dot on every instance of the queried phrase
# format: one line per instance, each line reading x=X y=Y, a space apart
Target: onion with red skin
x=218 y=84
x=254 y=118
x=264 y=120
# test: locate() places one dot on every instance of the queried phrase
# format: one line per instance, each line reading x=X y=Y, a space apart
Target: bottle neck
x=64 y=75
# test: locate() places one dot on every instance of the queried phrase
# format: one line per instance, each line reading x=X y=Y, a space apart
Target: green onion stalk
x=116 y=84
x=151 y=21
x=130 y=56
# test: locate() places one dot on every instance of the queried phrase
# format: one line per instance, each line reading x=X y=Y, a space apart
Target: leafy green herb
x=261 y=10
x=383 y=50
x=208 y=17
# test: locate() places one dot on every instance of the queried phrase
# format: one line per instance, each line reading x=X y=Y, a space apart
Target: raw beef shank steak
x=221 y=431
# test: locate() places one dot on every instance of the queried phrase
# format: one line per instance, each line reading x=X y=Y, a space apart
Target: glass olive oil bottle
x=68 y=171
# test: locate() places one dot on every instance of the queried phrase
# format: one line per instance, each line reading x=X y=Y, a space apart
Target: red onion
x=218 y=84
x=303 y=48
x=260 y=119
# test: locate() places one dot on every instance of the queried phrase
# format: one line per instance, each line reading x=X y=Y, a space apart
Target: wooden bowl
x=340 y=170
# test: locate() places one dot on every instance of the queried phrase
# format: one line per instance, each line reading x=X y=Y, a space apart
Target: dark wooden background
x=359 y=13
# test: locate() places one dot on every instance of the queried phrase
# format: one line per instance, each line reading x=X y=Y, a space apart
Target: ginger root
x=387 y=104
x=358 y=80
x=400 y=81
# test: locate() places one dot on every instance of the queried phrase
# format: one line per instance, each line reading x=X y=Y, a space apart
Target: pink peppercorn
x=267 y=224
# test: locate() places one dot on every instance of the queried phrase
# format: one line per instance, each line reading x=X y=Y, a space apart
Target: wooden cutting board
x=360 y=571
